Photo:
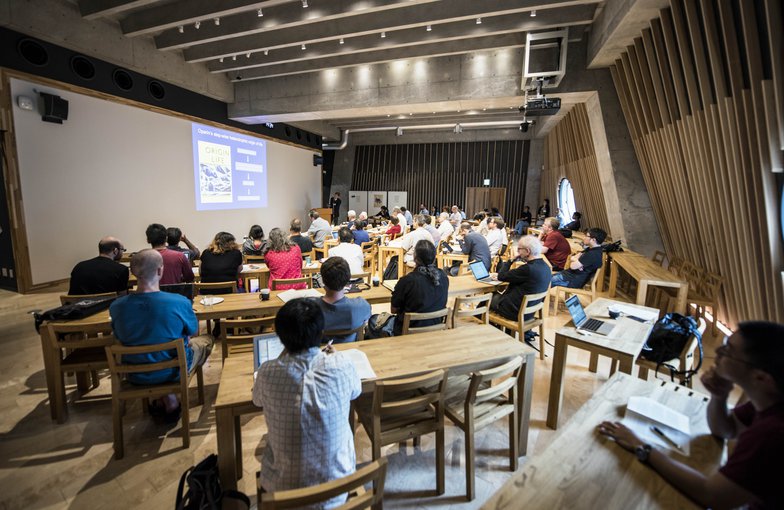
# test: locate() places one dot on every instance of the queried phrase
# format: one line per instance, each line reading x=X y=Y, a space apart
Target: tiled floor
x=45 y=465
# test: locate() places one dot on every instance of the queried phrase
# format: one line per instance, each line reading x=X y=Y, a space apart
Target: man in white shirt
x=319 y=229
x=407 y=215
x=349 y=251
x=445 y=228
x=408 y=241
x=401 y=217
x=455 y=218
x=496 y=235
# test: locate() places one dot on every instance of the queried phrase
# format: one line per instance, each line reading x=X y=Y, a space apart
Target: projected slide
x=230 y=169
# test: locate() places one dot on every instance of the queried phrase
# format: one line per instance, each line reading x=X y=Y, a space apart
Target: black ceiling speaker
x=122 y=79
x=33 y=52
x=156 y=89
x=82 y=67
x=55 y=108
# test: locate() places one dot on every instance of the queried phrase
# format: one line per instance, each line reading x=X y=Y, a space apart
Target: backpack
x=612 y=247
x=73 y=311
x=666 y=341
x=390 y=272
x=204 y=490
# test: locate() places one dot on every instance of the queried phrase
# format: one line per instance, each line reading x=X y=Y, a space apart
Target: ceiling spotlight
x=410 y=114
x=383 y=35
x=429 y=28
x=341 y=40
x=484 y=109
x=181 y=29
x=247 y=55
x=266 y=52
x=303 y=46
x=533 y=13
x=304 y=4
x=217 y=22
x=399 y=131
x=220 y=60
x=387 y=115
x=478 y=21
x=234 y=57
x=458 y=128
x=524 y=127
x=197 y=24
x=259 y=13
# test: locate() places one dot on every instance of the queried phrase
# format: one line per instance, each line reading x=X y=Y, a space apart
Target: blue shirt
x=361 y=236
x=409 y=218
x=347 y=313
x=151 y=318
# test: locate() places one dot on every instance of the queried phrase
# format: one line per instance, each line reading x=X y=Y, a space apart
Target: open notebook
x=643 y=413
x=288 y=295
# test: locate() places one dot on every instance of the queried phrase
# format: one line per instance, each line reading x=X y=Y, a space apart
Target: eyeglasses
x=725 y=350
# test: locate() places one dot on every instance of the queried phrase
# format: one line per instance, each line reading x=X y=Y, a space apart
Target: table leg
x=556 y=381
x=613 y=279
x=682 y=298
x=525 y=387
x=238 y=445
x=48 y=367
x=642 y=292
x=625 y=364
x=227 y=463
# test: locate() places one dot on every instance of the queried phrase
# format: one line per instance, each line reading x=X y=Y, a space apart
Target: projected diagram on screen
x=230 y=169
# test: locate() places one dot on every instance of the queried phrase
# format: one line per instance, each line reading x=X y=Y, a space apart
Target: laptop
x=582 y=322
x=266 y=347
x=334 y=235
x=481 y=274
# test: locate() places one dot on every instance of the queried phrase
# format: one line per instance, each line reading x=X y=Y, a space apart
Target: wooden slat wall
x=439 y=173
x=701 y=90
x=569 y=152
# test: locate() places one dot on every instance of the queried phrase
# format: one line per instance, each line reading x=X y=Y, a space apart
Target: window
x=565 y=201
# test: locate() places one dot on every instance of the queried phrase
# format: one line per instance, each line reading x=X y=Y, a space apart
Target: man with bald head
x=149 y=317
x=103 y=273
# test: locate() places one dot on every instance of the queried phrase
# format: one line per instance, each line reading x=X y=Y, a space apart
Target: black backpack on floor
x=669 y=336
x=204 y=489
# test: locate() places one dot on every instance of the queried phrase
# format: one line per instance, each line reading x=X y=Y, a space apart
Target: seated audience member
x=383 y=213
x=434 y=233
x=306 y=395
x=296 y=237
x=103 y=273
x=554 y=245
x=425 y=289
x=495 y=212
x=340 y=312
x=423 y=209
x=455 y=218
x=482 y=219
x=363 y=217
x=319 y=229
x=400 y=218
x=394 y=228
x=220 y=262
x=474 y=245
x=254 y=244
x=284 y=260
x=149 y=317
x=583 y=269
x=532 y=277
x=543 y=212
x=752 y=358
x=408 y=242
x=575 y=223
x=445 y=228
x=360 y=234
x=496 y=235
x=176 y=267
x=173 y=237
x=349 y=251
x=352 y=217
x=522 y=224
x=407 y=214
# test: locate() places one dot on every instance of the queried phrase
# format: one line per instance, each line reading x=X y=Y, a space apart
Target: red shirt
x=756 y=462
x=394 y=229
x=284 y=265
x=176 y=268
x=558 y=249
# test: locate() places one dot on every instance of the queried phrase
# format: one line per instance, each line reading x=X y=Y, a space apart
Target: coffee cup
x=376 y=281
x=308 y=260
x=613 y=312
x=264 y=294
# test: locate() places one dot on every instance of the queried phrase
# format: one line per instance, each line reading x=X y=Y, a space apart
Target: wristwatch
x=643 y=453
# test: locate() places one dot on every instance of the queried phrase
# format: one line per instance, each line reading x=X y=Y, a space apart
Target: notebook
x=288 y=295
x=582 y=322
x=390 y=284
x=480 y=273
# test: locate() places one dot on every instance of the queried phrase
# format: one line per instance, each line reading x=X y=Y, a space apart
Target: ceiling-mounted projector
x=541 y=106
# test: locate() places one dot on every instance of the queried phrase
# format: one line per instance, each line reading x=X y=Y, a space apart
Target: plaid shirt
x=306 y=399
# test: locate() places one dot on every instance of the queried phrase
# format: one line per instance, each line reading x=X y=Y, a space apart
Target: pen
x=326 y=347
x=665 y=437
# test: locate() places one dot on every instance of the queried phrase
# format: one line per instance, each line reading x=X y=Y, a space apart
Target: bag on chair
x=204 y=490
x=390 y=272
x=74 y=311
x=667 y=340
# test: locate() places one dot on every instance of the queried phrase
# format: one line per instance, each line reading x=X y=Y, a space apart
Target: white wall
x=112 y=169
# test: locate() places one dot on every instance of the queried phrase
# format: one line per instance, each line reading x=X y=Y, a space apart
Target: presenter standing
x=334 y=204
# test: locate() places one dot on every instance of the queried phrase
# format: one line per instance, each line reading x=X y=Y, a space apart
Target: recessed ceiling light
x=410 y=114
x=181 y=29
x=259 y=13
x=197 y=24
x=478 y=21
x=234 y=57
x=434 y=113
x=303 y=46
x=484 y=109
x=220 y=60
x=304 y=4
x=247 y=55
x=533 y=13
x=383 y=35
x=387 y=115
x=429 y=28
x=217 y=22
x=341 y=40
x=266 y=52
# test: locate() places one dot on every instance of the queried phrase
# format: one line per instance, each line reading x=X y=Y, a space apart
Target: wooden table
x=461 y=350
x=647 y=273
x=581 y=469
x=624 y=344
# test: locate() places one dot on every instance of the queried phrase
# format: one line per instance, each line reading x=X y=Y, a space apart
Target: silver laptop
x=582 y=322
x=481 y=274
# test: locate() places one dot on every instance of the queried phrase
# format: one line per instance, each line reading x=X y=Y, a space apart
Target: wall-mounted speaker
x=317 y=160
x=55 y=108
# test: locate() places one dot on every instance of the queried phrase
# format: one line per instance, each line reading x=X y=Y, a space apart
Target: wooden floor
x=45 y=465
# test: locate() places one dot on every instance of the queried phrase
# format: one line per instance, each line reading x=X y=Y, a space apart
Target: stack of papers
x=642 y=414
x=290 y=294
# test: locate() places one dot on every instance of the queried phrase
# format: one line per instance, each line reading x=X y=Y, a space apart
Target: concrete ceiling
x=275 y=39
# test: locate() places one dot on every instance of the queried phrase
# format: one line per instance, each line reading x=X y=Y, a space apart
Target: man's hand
x=494 y=276
x=718 y=386
x=622 y=435
x=184 y=238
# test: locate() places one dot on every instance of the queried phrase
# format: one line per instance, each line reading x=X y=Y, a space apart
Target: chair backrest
x=526 y=307
x=237 y=334
x=253 y=259
x=369 y=246
x=311 y=254
x=676 y=263
x=710 y=286
x=330 y=334
x=374 y=472
x=118 y=368
x=598 y=276
x=506 y=374
x=307 y=279
x=67 y=299
x=445 y=261
x=199 y=286
x=659 y=257
x=413 y=316
x=400 y=404
x=71 y=336
x=471 y=306
x=692 y=274
x=687 y=354
x=365 y=277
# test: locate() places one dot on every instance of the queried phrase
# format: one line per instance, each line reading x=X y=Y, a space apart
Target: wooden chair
x=198 y=287
x=67 y=299
x=676 y=263
x=521 y=325
x=480 y=399
x=704 y=294
x=366 y=277
x=385 y=254
x=307 y=279
x=339 y=334
x=659 y=257
x=253 y=259
x=685 y=361
x=590 y=290
x=413 y=316
x=234 y=336
x=311 y=254
x=401 y=409
x=123 y=390
x=445 y=260
x=78 y=349
x=475 y=307
x=353 y=485
x=369 y=252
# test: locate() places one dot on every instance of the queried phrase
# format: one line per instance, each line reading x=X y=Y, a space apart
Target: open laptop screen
x=265 y=347
x=576 y=310
x=479 y=269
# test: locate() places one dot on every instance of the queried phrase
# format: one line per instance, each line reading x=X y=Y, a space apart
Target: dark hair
x=495 y=211
x=762 y=343
x=313 y=214
x=395 y=220
x=547 y=200
x=345 y=235
x=402 y=209
x=359 y=224
x=335 y=273
x=425 y=257
x=156 y=234
x=105 y=247
x=598 y=234
x=498 y=222
x=527 y=207
x=428 y=219
x=296 y=225
x=173 y=235
x=222 y=243
x=479 y=216
x=256 y=232
x=577 y=215
x=465 y=226
x=299 y=324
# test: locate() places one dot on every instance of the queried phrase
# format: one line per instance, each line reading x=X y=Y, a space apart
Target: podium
x=325 y=212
